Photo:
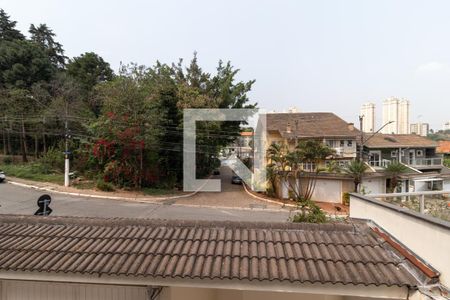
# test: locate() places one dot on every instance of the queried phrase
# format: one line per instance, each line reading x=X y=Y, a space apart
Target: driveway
x=231 y=195
x=20 y=200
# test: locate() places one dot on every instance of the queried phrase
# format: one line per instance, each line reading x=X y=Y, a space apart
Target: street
x=20 y=200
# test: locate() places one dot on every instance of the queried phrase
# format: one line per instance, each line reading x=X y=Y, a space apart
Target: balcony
x=379 y=163
x=422 y=162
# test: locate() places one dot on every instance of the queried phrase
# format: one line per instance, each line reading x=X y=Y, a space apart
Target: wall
x=327 y=190
x=27 y=290
x=427 y=239
x=374 y=185
x=180 y=293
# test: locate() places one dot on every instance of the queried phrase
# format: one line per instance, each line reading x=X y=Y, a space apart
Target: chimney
x=288 y=128
x=351 y=126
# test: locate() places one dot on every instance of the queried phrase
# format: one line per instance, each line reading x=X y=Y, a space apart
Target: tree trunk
x=4 y=138
x=8 y=138
x=36 y=146
x=23 y=143
x=44 y=142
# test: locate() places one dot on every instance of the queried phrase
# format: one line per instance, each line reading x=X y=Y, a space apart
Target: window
x=342 y=143
x=309 y=166
x=350 y=143
x=419 y=152
x=394 y=153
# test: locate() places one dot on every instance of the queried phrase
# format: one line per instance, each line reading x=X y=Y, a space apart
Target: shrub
x=7 y=160
x=346 y=199
x=53 y=159
x=105 y=186
x=310 y=214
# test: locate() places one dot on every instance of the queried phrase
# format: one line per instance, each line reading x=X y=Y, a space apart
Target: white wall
x=30 y=290
x=374 y=185
x=182 y=293
x=429 y=241
x=328 y=190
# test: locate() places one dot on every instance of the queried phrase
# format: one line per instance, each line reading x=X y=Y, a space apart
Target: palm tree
x=356 y=169
x=394 y=170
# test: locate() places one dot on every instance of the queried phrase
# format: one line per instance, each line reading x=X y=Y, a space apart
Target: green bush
x=53 y=159
x=310 y=214
x=7 y=160
x=105 y=186
x=346 y=199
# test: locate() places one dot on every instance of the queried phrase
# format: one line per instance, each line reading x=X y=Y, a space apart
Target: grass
x=158 y=191
x=31 y=171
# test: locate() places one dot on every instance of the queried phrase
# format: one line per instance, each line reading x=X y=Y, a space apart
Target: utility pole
x=66 y=152
x=361 y=146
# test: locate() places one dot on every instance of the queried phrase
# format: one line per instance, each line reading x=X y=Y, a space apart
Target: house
x=242 y=147
x=443 y=148
x=291 y=128
x=425 y=165
x=90 y=258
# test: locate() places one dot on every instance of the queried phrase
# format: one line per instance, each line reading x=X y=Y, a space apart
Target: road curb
x=267 y=200
x=148 y=201
x=134 y=199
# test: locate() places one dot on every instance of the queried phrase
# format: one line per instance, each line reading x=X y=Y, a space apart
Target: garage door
x=28 y=290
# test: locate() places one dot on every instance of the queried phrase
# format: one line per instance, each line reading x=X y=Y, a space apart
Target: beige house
x=47 y=258
x=291 y=128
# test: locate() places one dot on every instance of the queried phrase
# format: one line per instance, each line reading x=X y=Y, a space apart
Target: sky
x=315 y=55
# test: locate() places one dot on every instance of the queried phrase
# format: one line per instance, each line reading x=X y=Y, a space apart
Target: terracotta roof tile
x=443 y=147
x=307 y=125
x=330 y=253
x=380 y=140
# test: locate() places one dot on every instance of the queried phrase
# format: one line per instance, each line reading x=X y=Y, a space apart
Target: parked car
x=236 y=179
x=216 y=172
x=2 y=176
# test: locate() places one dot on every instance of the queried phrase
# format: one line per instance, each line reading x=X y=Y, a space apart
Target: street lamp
x=363 y=141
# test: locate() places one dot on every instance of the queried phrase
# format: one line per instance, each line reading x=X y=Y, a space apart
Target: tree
x=44 y=37
x=8 y=31
x=22 y=63
x=356 y=169
x=394 y=170
x=89 y=69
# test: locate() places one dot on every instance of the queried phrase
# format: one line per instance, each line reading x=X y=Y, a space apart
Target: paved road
x=19 y=200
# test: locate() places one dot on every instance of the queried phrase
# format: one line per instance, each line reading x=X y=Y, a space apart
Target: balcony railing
x=432 y=203
x=379 y=163
x=422 y=162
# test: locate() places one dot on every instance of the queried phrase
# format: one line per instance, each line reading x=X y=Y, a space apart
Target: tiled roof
x=304 y=125
x=281 y=252
x=380 y=140
x=444 y=147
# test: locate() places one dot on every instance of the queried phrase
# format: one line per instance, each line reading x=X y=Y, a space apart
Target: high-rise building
x=368 y=114
x=446 y=126
x=420 y=128
x=396 y=110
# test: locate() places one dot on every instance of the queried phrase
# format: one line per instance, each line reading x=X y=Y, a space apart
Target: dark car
x=2 y=176
x=216 y=172
x=236 y=179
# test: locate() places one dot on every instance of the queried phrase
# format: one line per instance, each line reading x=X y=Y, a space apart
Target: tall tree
x=89 y=69
x=44 y=37
x=22 y=63
x=8 y=31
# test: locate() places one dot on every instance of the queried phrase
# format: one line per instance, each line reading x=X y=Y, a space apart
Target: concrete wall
x=327 y=190
x=429 y=240
x=27 y=290
x=374 y=185
x=180 y=293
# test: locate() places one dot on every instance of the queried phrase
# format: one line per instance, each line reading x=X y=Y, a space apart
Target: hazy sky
x=316 y=55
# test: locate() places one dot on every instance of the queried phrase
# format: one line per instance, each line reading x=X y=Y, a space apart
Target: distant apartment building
x=368 y=114
x=446 y=126
x=420 y=128
x=396 y=110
